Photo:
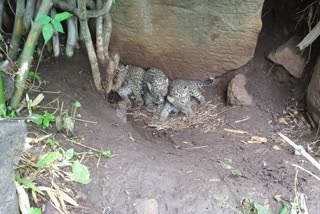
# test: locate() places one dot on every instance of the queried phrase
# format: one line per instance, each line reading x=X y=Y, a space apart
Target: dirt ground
x=180 y=169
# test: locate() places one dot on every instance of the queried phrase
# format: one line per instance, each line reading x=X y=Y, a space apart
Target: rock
x=313 y=95
x=12 y=139
x=146 y=206
x=237 y=93
x=186 y=39
x=122 y=111
x=289 y=56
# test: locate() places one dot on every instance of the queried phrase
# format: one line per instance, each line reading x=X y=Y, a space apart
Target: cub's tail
x=209 y=82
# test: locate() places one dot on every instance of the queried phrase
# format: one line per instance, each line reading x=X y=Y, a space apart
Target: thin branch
x=301 y=150
x=101 y=12
x=307 y=171
x=310 y=37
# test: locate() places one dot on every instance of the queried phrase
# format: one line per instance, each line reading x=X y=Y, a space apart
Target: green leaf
x=106 y=154
x=77 y=104
x=1 y=38
x=62 y=16
x=28 y=184
x=285 y=209
x=49 y=158
x=68 y=124
x=57 y=25
x=3 y=112
x=233 y=170
x=261 y=209
x=43 y=20
x=37 y=119
x=35 y=211
x=69 y=154
x=35 y=75
x=47 y=32
x=47 y=119
x=81 y=173
x=52 y=142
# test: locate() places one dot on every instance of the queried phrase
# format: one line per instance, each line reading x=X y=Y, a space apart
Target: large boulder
x=313 y=95
x=189 y=39
x=12 y=139
x=290 y=57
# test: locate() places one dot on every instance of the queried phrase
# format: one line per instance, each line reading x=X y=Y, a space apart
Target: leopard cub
x=130 y=78
x=155 y=86
x=180 y=95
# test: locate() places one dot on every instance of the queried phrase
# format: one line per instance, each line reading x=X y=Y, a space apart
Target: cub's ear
x=149 y=86
x=170 y=99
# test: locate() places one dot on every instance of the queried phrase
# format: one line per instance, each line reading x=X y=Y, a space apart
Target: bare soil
x=181 y=169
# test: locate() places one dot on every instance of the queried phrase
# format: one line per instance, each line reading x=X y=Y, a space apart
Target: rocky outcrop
x=190 y=39
x=12 y=139
x=289 y=56
x=237 y=93
x=313 y=95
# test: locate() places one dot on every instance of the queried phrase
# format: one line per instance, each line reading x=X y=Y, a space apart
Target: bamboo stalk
x=1 y=13
x=17 y=30
x=55 y=37
x=72 y=32
x=26 y=57
x=28 y=15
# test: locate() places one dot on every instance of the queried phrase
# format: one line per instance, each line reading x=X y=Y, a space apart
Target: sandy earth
x=181 y=169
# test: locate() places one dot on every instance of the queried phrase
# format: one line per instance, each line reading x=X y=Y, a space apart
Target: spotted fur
x=155 y=86
x=180 y=95
x=131 y=77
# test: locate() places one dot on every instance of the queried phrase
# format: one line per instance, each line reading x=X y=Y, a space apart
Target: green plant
x=235 y=171
x=35 y=211
x=80 y=172
x=34 y=75
x=47 y=159
x=51 y=24
x=7 y=111
x=28 y=184
x=52 y=142
x=44 y=119
x=66 y=122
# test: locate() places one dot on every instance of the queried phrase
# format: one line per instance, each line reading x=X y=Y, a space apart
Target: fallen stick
x=303 y=169
x=238 y=131
x=301 y=150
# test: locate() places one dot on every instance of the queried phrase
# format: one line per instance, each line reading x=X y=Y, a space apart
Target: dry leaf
x=68 y=199
x=37 y=100
x=23 y=198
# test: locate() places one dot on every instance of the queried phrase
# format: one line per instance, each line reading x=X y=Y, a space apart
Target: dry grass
x=207 y=118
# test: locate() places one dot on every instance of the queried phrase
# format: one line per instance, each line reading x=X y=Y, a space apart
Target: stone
x=313 y=95
x=12 y=139
x=192 y=39
x=289 y=56
x=146 y=206
x=237 y=93
x=121 y=111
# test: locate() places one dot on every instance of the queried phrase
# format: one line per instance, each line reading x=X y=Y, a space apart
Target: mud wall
x=190 y=39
